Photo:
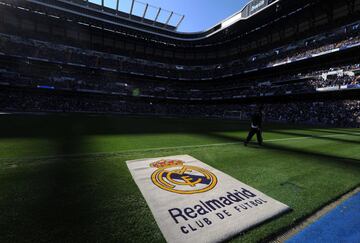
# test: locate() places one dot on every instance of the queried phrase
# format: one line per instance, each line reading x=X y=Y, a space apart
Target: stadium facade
x=298 y=58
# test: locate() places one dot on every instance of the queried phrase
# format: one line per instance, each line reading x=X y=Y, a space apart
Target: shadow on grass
x=51 y=201
x=348 y=129
x=53 y=125
x=73 y=199
x=336 y=131
x=290 y=150
x=320 y=137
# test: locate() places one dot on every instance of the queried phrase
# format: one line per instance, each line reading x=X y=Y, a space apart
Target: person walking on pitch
x=256 y=127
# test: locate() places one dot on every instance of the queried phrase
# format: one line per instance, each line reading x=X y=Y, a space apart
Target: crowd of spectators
x=19 y=46
x=89 y=80
x=332 y=113
x=307 y=52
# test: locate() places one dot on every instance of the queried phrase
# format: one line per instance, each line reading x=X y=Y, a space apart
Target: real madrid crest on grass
x=175 y=176
x=193 y=202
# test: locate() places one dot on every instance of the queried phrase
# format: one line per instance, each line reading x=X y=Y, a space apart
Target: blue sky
x=199 y=14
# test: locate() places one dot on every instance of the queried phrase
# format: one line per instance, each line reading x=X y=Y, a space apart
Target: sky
x=199 y=14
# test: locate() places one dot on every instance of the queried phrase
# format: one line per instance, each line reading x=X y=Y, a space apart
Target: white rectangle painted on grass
x=193 y=202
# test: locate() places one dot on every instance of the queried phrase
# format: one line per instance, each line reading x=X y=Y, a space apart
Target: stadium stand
x=295 y=58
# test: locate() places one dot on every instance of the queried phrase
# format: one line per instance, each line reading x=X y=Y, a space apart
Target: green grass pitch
x=64 y=178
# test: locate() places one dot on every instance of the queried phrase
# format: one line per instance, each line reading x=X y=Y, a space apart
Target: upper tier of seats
x=341 y=38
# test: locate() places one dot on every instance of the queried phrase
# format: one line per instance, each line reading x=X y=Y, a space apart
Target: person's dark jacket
x=256 y=120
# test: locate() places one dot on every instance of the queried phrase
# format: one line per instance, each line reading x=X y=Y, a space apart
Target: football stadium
x=118 y=126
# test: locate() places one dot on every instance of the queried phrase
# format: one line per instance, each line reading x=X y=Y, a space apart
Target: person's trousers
x=252 y=132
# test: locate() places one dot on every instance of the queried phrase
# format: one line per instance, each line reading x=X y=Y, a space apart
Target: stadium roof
x=139 y=11
x=138 y=18
x=171 y=20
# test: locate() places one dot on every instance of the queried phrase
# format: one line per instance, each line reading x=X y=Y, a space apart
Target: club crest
x=177 y=177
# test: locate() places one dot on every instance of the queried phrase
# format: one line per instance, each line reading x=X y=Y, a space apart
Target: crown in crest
x=166 y=163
